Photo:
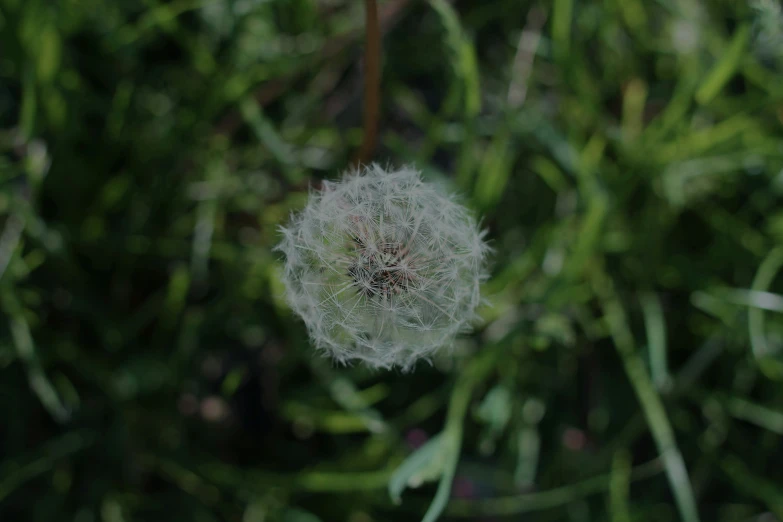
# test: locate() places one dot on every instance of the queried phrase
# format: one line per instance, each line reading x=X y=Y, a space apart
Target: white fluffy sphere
x=383 y=267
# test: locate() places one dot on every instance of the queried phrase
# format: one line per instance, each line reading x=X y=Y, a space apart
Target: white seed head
x=383 y=267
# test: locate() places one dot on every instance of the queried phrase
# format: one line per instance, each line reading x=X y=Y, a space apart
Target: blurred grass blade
x=528 y=452
x=9 y=240
x=15 y=473
x=649 y=399
x=206 y=216
x=766 y=273
x=562 y=13
x=49 y=53
x=655 y=325
x=591 y=231
x=470 y=73
x=265 y=131
x=726 y=66
x=345 y=393
x=463 y=57
x=746 y=480
x=635 y=16
x=550 y=173
x=39 y=383
x=701 y=141
x=176 y=295
x=698 y=363
x=333 y=482
x=494 y=172
x=299 y=515
x=539 y=501
x=522 y=66
x=634 y=100
x=761 y=416
x=753 y=298
x=335 y=422
x=529 y=443
x=678 y=177
x=677 y=108
x=619 y=487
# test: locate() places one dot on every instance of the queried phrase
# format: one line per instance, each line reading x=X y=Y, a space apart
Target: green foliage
x=626 y=157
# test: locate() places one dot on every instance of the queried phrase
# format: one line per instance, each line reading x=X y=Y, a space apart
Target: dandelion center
x=381 y=273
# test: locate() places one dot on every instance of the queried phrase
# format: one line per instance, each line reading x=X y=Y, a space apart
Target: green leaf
x=424 y=464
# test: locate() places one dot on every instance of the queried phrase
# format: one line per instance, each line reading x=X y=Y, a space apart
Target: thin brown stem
x=372 y=83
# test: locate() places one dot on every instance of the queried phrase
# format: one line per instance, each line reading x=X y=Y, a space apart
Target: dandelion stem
x=372 y=82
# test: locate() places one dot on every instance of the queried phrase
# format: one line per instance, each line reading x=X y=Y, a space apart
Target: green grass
x=626 y=157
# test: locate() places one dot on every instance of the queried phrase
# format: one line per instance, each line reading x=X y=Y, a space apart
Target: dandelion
x=383 y=268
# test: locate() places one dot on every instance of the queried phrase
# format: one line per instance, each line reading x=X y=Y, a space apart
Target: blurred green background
x=625 y=155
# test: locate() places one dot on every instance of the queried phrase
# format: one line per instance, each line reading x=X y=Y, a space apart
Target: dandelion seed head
x=383 y=268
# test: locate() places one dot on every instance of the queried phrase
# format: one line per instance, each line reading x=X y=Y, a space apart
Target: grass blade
x=650 y=401
x=656 y=339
